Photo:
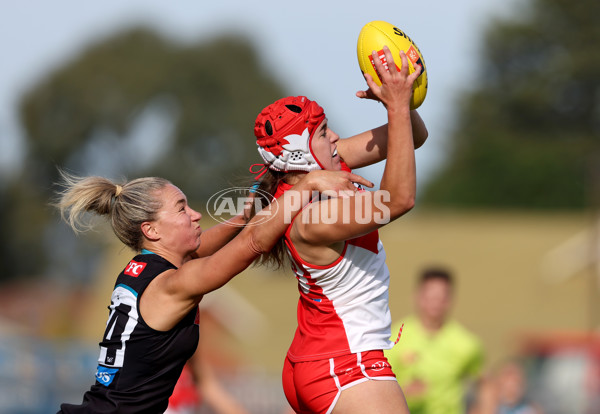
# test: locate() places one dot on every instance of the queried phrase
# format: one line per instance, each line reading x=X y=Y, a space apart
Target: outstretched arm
x=200 y=276
x=210 y=389
x=219 y=235
x=368 y=210
x=174 y=293
x=370 y=147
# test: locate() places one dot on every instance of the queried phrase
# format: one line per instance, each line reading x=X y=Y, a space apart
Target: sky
x=307 y=46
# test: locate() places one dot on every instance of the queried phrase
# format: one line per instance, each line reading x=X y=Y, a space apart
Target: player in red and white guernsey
x=335 y=363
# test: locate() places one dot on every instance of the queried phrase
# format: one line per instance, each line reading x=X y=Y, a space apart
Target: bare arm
x=201 y=276
x=486 y=398
x=210 y=389
x=420 y=132
x=367 y=211
x=175 y=293
x=219 y=235
x=370 y=147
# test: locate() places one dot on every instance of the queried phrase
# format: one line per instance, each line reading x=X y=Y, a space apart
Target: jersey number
x=114 y=331
x=121 y=322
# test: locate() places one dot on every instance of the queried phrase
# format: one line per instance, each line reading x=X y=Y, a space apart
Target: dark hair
x=269 y=182
x=436 y=273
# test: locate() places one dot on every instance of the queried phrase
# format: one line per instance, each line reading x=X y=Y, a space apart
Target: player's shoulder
x=145 y=264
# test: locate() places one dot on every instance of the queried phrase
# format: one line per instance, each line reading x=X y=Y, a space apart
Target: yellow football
x=376 y=34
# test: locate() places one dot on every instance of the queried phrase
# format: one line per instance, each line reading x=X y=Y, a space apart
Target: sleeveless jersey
x=138 y=366
x=343 y=307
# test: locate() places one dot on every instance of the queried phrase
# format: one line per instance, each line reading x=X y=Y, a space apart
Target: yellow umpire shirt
x=441 y=363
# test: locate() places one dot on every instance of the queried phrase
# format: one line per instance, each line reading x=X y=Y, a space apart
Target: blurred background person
x=505 y=393
x=198 y=386
x=436 y=359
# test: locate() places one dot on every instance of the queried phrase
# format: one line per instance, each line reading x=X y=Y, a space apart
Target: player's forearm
x=218 y=236
x=370 y=147
x=270 y=224
x=399 y=176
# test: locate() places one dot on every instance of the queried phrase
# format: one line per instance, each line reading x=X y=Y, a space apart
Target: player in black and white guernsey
x=152 y=327
x=121 y=373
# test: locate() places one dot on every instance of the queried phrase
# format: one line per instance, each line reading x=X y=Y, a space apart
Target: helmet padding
x=284 y=131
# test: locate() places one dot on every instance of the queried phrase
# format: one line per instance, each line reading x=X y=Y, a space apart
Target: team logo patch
x=134 y=268
x=380 y=365
x=106 y=375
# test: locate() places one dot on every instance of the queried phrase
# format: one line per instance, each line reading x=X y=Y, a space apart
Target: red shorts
x=315 y=386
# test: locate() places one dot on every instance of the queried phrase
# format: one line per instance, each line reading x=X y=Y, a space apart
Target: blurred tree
x=132 y=105
x=527 y=132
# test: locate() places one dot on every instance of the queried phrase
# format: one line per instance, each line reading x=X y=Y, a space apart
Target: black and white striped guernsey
x=138 y=366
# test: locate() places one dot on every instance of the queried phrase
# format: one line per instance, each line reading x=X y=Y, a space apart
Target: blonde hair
x=127 y=205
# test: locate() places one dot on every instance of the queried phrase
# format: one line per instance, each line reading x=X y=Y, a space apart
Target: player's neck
x=432 y=325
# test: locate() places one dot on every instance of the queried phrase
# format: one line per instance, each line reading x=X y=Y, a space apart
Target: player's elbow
x=421 y=137
x=401 y=206
x=254 y=243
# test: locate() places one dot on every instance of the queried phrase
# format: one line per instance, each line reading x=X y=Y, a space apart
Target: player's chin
x=336 y=163
x=198 y=243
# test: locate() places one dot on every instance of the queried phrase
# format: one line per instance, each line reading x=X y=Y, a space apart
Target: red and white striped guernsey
x=343 y=307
